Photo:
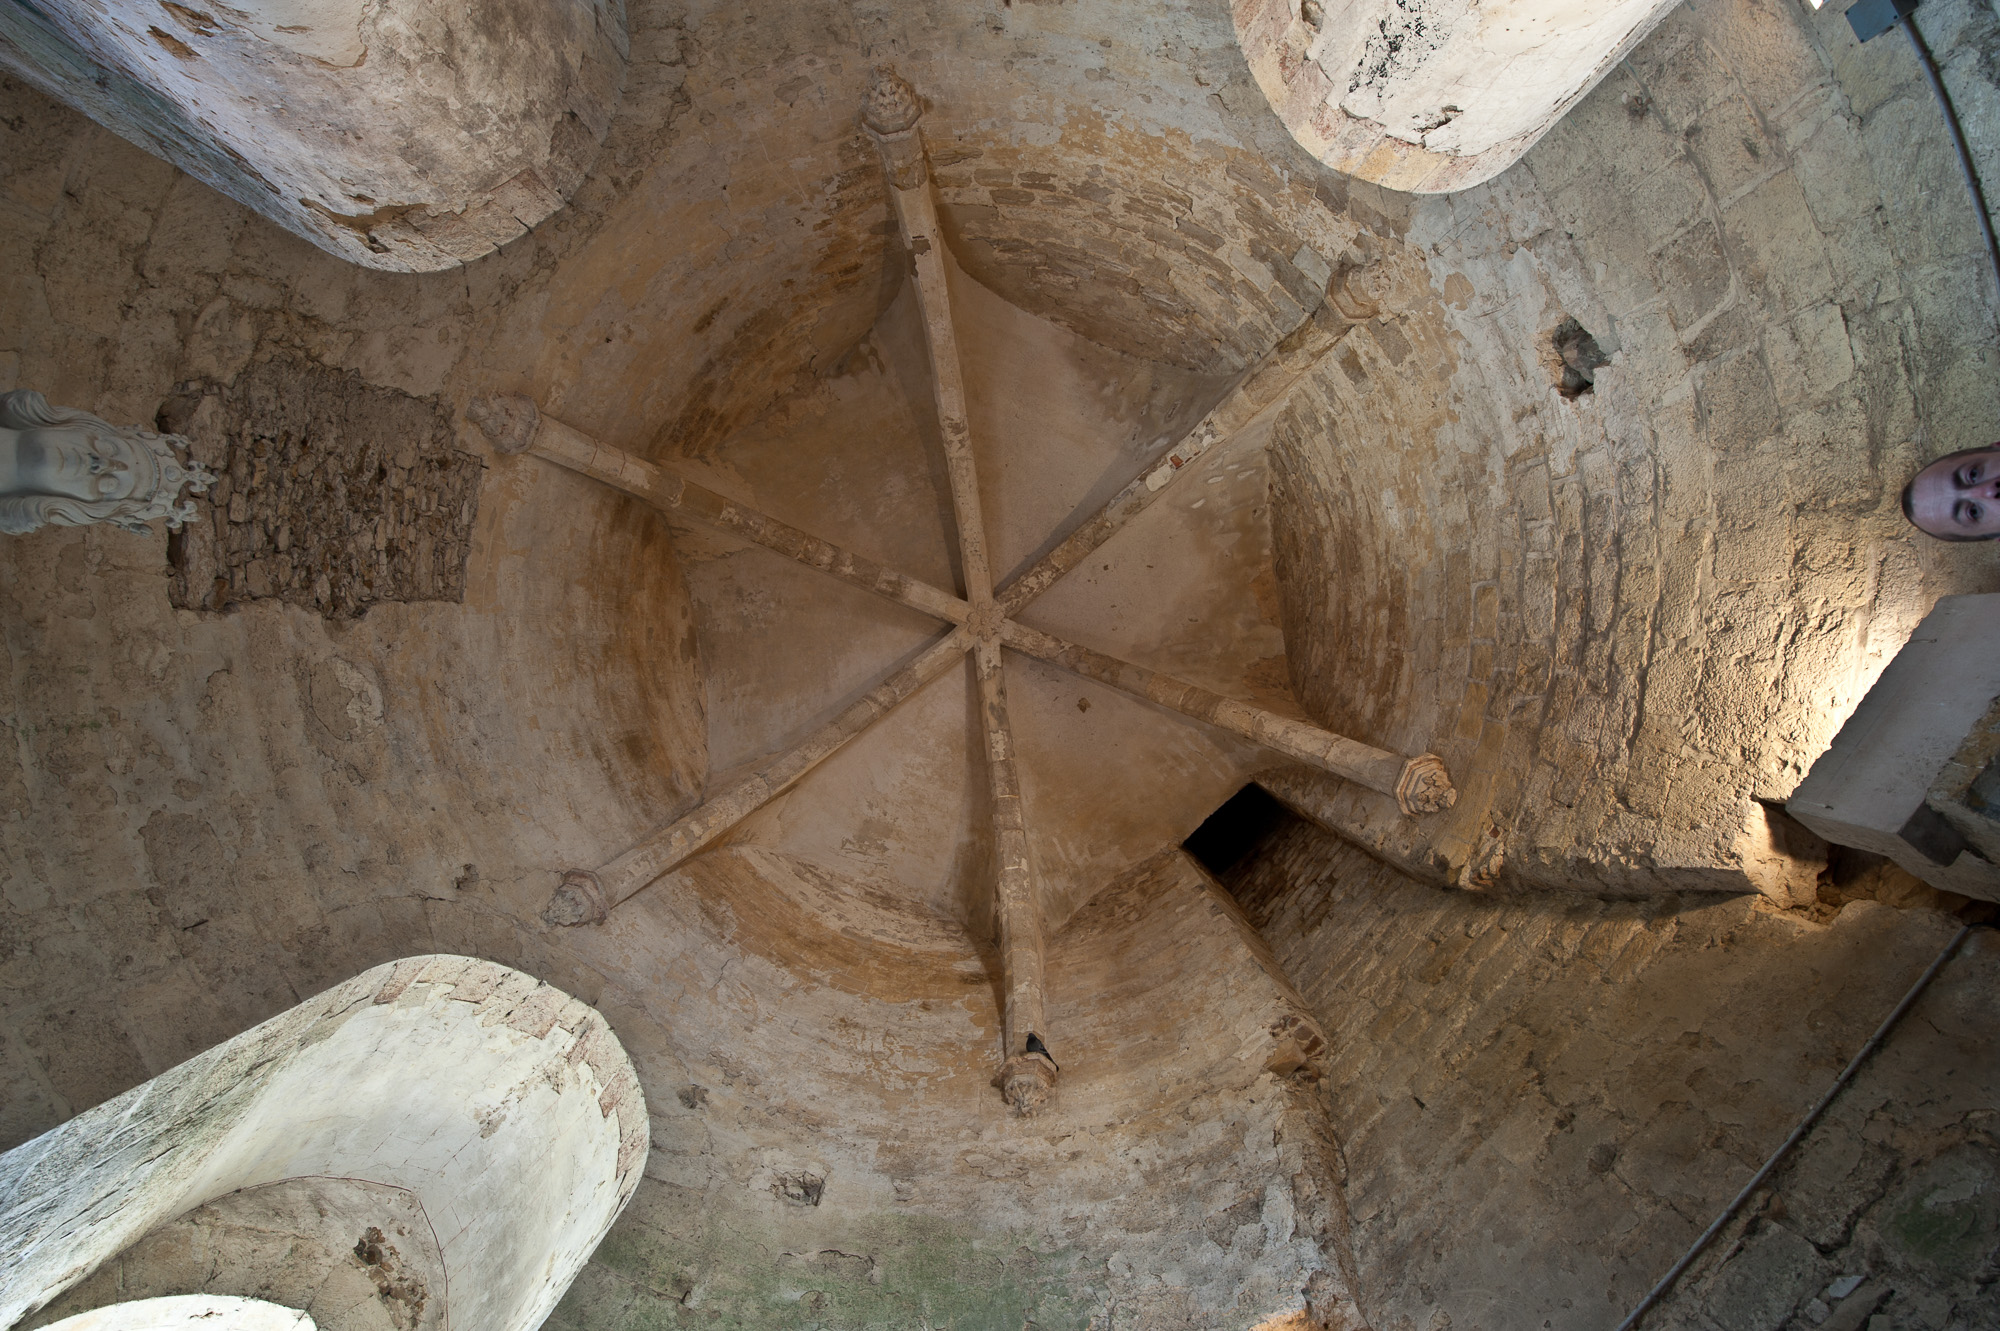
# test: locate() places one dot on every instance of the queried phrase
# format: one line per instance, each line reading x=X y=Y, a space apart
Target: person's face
x=71 y=460
x=1959 y=494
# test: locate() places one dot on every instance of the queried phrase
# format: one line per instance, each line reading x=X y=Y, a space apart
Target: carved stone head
x=69 y=468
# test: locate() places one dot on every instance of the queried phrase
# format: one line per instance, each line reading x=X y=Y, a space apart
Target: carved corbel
x=890 y=116
x=1358 y=291
x=1026 y=1080
x=578 y=899
x=1425 y=786
x=508 y=421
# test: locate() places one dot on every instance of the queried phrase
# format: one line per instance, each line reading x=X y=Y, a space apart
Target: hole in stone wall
x=1229 y=834
x=1579 y=356
x=332 y=494
x=1861 y=875
x=799 y=1187
x=1933 y=834
x=174 y=44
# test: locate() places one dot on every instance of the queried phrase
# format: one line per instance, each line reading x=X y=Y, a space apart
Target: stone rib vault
x=806 y=597
x=982 y=621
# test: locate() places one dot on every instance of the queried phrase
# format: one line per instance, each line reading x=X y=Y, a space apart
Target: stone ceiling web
x=982 y=621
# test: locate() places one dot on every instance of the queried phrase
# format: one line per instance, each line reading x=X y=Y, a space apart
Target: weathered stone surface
x=411 y=135
x=1623 y=619
x=355 y=1256
x=1430 y=95
x=1519 y=1078
x=441 y=1125
x=1172 y=1182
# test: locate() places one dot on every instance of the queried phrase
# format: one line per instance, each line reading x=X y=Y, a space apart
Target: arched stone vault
x=504 y=1111
x=987 y=616
x=1623 y=618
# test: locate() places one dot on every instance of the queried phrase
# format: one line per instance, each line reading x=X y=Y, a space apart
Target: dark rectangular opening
x=1226 y=838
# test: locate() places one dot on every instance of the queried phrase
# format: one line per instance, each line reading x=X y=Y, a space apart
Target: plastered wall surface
x=1428 y=96
x=507 y=1108
x=830 y=1149
x=1543 y=1102
x=409 y=136
x=1060 y=424
x=289 y=1244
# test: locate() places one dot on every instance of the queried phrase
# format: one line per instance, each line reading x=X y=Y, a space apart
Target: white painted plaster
x=189 y=1312
x=409 y=135
x=1432 y=95
x=506 y=1107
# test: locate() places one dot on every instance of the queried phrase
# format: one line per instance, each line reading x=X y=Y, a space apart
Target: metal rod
x=1798 y=1134
x=1958 y=141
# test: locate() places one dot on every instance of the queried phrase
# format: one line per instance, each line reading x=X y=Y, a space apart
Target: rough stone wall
x=214 y=816
x=674 y=295
x=332 y=494
x=211 y=816
x=220 y=814
x=1200 y=258
x=1543 y=1102
x=1623 y=617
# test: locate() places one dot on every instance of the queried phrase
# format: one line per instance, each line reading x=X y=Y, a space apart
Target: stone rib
x=587 y=897
x=1262 y=388
x=676 y=495
x=916 y=212
x=1024 y=1079
x=1419 y=784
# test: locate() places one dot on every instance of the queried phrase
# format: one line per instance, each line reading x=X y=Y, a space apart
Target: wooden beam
x=1260 y=390
x=677 y=496
x=588 y=896
x=1420 y=785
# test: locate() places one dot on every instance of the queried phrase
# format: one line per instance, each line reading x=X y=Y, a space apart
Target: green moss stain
x=670 y=1263
x=1944 y=1235
x=1948 y=1214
